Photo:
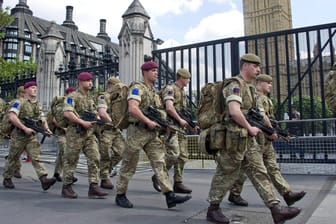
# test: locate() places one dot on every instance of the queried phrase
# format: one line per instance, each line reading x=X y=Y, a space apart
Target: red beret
x=148 y=65
x=84 y=76
x=69 y=90
x=29 y=84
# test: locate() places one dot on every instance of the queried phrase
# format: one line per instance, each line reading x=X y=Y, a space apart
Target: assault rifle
x=154 y=114
x=92 y=117
x=36 y=126
x=185 y=114
x=280 y=131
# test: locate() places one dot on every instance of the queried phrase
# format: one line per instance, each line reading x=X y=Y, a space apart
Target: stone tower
x=264 y=17
x=135 y=41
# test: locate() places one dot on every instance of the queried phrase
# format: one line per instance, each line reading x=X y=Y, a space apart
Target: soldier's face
x=152 y=74
x=87 y=85
x=253 y=69
x=31 y=91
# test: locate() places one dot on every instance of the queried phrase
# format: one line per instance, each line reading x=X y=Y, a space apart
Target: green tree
x=9 y=69
x=5 y=19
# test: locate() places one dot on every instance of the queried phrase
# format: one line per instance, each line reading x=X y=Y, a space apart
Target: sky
x=176 y=22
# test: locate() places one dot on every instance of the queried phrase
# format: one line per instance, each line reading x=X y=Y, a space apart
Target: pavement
x=29 y=203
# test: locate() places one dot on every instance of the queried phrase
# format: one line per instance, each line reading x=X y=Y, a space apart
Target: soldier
x=241 y=149
x=60 y=129
x=25 y=138
x=175 y=100
x=80 y=137
x=142 y=134
x=109 y=138
x=267 y=152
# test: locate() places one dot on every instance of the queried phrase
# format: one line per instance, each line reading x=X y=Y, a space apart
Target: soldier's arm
x=173 y=113
x=102 y=112
x=13 y=118
x=134 y=110
x=70 y=115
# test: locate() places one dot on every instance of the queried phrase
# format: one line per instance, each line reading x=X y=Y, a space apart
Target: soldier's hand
x=152 y=125
x=88 y=124
x=253 y=131
x=273 y=137
x=48 y=132
x=29 y=131
x=183 y=123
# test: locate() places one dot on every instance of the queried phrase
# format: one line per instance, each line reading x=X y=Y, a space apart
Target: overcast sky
x=174 y=21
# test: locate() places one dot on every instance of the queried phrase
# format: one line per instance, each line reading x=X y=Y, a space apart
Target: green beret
x=184 y=73
x=264 y=78
x=251 y=58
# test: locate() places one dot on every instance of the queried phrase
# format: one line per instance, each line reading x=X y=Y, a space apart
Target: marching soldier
x=142 y=134
x=80 y=137
x=24 y=138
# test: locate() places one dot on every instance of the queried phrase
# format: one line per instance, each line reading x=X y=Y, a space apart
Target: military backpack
x=119 y=105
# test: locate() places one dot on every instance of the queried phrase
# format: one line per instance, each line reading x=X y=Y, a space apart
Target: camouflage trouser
x=61 y=144
x=228 y=165
x=273 y=169
x=267 y=152
x=111 y=145
x=138 y=139
x=177 y=155
x=18 y=144
x=254 y=167
x=84 y=141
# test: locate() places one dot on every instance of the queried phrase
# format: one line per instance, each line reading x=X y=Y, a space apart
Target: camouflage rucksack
x=56 y=111
x=7 y=127
x=210 y=114
x=330 y=89
x=119 y=105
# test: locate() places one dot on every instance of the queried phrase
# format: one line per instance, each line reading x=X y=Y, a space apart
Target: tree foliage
x=5 y=19
x=9 y=69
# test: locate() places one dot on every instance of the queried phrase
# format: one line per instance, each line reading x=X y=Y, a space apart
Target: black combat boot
x=156 y=183
x=68 y=192
x=46 y=183
x=173 y=199
x=215 y=215
x=17 y=174
x=292 y=197
x=96 y=192
x=8 y=183
x=179 y=187
x=122 y=201
x=58 y=177
x=237 y=200
x=281 y=213
x=107 y=184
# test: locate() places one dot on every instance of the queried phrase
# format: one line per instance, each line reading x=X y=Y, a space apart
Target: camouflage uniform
x=141 y=138
x=78 y=140
x=20 y=141
x=177 y=146
x=241 y=151
x=111 y=142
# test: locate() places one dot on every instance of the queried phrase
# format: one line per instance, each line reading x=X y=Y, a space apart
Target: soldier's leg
x=33 y=150
x=237 y=188
x=118 y=146
x=61 y=144
x=278 y=180
x=172 y=151
x=105 y=143
x=91 y=152
x=179 y=187
x=15 y=149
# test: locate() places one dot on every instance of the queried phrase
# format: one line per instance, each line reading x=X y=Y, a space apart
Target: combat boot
x=96 y=192
x=46 y=183
x=281 y=213
x=215 y=215
x=107 y=184
x=156 y=184
x=17 y=174
x=58 y=177
x=7 y=183
x=292 y=197
x=122 y=201
x=68 y=192
x=237 y=200
x=172 y=199
x=179 y=187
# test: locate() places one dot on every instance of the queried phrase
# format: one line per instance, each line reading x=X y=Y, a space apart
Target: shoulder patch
x=69 y=100
x=135 y=91
x=16 y=105
x=236 y=90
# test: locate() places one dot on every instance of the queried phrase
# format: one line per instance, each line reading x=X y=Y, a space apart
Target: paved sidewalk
x=29 y=203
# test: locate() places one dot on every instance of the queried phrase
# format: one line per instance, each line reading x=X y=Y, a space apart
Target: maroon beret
x=69 y=90
x=148 y=65
x=84 y=76
x=29 y=84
